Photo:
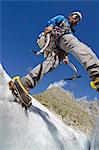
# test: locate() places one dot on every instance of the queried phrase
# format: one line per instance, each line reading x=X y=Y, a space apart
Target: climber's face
x=74 y=19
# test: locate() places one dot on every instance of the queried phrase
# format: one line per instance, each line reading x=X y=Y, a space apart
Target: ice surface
x=34 y=129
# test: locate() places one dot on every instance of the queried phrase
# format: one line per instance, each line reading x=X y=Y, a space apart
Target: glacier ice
x=34 y=129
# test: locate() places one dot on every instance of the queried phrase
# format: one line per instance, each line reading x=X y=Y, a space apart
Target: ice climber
x=57 y=51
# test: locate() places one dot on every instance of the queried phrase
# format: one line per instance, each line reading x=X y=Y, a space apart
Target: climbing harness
x=43 y=43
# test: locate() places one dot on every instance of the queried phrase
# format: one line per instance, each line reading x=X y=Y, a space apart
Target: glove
x=48 y=29
x=66 y=60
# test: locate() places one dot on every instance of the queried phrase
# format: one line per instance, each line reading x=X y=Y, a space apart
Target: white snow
x=34 y=129
x=4 y=90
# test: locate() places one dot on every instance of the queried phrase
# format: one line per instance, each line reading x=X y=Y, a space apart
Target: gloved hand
x=48 y=29
x=66 y=60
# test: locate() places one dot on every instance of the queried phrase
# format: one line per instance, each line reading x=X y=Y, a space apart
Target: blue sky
x=22 y=22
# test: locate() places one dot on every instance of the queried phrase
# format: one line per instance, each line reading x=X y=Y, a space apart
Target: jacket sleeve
x=55 y=21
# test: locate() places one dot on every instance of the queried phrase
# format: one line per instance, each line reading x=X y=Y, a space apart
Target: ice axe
x=41 y=51
x=75 y=76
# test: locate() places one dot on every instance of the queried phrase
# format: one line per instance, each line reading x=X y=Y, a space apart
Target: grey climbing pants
x=82 y=52
x=68 y=43
x=52 y=60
